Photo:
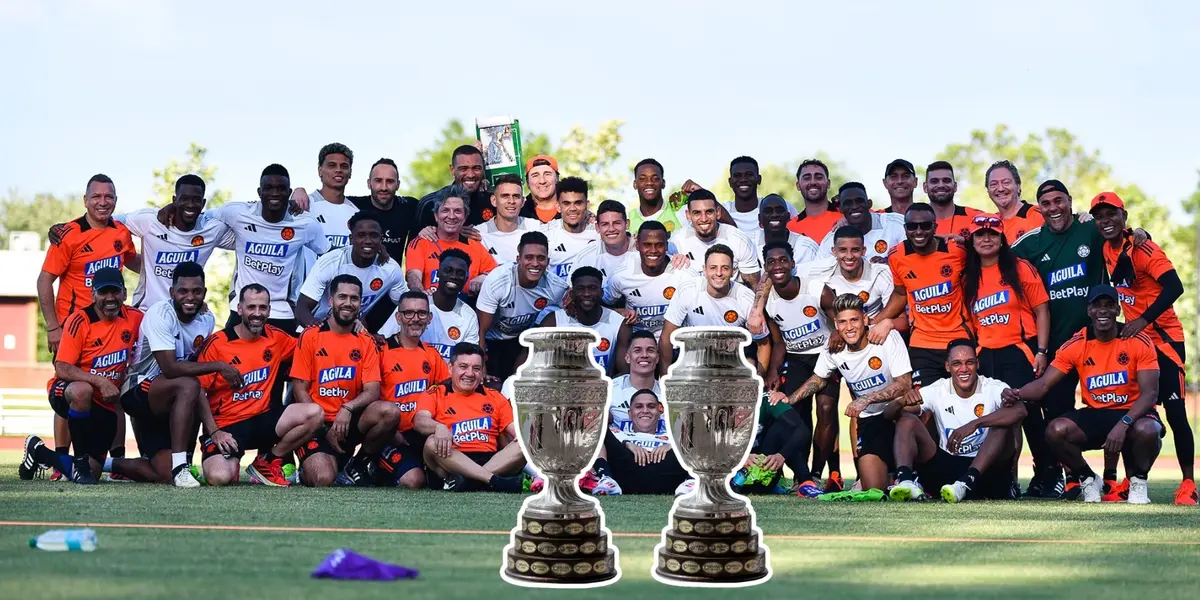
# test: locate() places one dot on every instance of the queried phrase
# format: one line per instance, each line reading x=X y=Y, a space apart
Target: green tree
x=36 y=214
x=593 y=156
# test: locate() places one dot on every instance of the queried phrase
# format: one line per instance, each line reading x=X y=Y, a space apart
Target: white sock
x=529 y=470
x=178 y=459
x=108 y=465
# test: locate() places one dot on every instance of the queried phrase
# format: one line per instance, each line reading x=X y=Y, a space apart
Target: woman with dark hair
x=1008 y=305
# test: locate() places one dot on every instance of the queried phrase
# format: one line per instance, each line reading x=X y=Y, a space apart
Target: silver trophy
x=712 y=397
x=561 y=400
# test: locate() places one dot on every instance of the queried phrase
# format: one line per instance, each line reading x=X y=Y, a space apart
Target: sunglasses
x=989 y=222
x=926 y=226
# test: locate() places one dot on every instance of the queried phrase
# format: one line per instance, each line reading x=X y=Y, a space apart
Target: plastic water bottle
x=65 y=540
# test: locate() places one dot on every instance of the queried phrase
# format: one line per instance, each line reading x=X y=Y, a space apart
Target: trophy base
x=695 y=570
x=566 y=550
x=716 y=549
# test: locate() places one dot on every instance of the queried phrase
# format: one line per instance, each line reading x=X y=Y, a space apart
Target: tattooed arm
x=755 y=322
x=810 y=387
x=897 y=388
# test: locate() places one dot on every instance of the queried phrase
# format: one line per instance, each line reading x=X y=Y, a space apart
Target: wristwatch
x=1126 y=420
x=1042 y=351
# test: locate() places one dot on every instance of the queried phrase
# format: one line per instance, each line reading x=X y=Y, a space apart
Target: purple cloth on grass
x=347 y=564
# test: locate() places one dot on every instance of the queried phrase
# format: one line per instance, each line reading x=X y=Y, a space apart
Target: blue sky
x=121 y=87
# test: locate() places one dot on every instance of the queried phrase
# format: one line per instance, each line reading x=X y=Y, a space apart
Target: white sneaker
x=685 y=488
x=1091 y=489
x=906 y=490
x=606 y=486
x=955 y=492
x=1139 y=491
x=184 y=479
x=857 y=486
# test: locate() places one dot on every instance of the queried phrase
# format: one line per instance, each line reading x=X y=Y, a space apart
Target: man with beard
x=452 y=320
x=269 y=243
x=649 y=181
x=952 y=220
x=616 y=247
x=880 y=232
x=466 y=166
x=240 y=417
x=875 y=375
x=409 y=369
x=900 y=179
x=397 y=214
x=646 y=286
x=774 y=213
x=338 y=369
x=362 y=259
x=500 y=234
x=799 y=331
x=587 y=288
x=512 y=299
x=89 y=368
x=744 y=209
x=1148 y=285
x=709 y=301
x=471 y=439
x=1119 y=386
x=162 y=394
x=1004 y=188
x=541 y=172
x=452 y=209
x=977 y=435
x=819 y=214
x=927 y=278
x=707 y=232
x=570 y=235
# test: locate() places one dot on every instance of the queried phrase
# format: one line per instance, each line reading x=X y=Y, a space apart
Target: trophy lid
x=558 y=354
x=711 y=353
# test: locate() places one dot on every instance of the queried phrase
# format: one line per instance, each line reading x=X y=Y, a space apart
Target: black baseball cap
x=903 y=164
x=108 y=277
x=1103 y=291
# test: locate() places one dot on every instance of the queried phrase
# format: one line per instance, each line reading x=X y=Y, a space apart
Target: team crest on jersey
x=1020 y=232
x=487 y=408
x=487 y=214
x=1123 y=359
x=198 y=240
x=947 y=271
x=604 y=345
x=126 y=336
x=540 y=303
x=880 y=246
x=453 y=333
x=376 y=284
x=287 y=233
x=730 y=316
x=426 y=368
x=312 y=445
x=864 y=296
x=1083 y=251
x=355 y=355
x=668 y=292
x=117 y=245
x=196 y=342
x=810 y=311
x=874 y=362
x=978 y=410
x=267 y=355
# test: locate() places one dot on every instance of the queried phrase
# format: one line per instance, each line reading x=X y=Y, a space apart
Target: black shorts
x=257 y=432
x=102 y=423
x=928 y=366
x=1008 y=364
x=945 y=468
x=797 y=368
x=502 y=357
x=152 y=432
x=1170 y=377
x=480 y=458
x=319 y=444
x=57 y=395
x=399 y=460
x=1096 y=423
x=875 y=436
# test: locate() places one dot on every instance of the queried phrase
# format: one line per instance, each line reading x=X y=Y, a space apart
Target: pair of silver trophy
x=561 y=398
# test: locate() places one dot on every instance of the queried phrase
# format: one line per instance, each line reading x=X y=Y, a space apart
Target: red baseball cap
x=1109 y=198
x=987 y=221
x=541 y=157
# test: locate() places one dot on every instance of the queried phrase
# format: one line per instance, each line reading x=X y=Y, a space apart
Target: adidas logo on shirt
x=950 y=409
x=322 y=352
x=778 y=318
x=844 y=367
x=162 y=236
x=252 y=228
x=235 y=361
x=396 y=368
x=910 y=275
x=636 y=293
x=1045 y=258
x=698 y=310
x=561 y=248
x=1089 y=362
x=690 y=257
x=86 y=248
x=491 y=250
x=99 y=342
x=321 y=219
x=450 y=411
x=434 y=256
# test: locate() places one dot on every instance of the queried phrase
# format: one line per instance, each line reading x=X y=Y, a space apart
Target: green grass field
x=1036 y=549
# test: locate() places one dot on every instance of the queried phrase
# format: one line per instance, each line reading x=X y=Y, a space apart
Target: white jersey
x=801 y=322
x=622 y=395
x=874 y=286
x=804 y=249
x=607 y=327
x=334 y=218
x=501 y=245
x=953 y=411
x=516 y=308
x=162 y=330
x=747 y=222
x=565 y=246
x=867 y=370
x=376 y=279
x=745 y=256
x=269 y=254
x=626 y=434
x=445 y=329
x=595 y=255
x=165 y=247
x=647 y=296
x=885 y=233
x=692 y=306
